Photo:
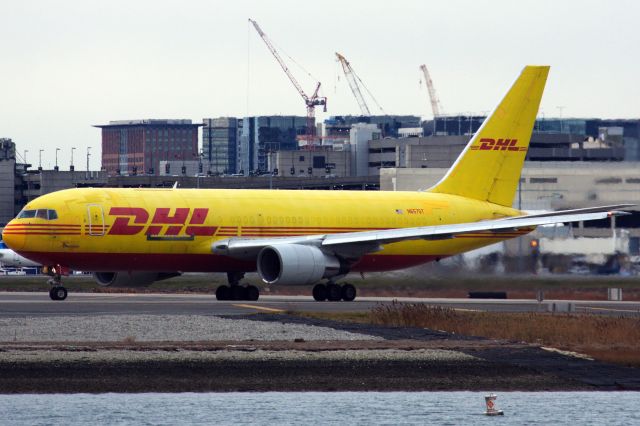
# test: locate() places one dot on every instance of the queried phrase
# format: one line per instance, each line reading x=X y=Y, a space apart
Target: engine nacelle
x=296 y=264
x=10 y=258
x=131 y=279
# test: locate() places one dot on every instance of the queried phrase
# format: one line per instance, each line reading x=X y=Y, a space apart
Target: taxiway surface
x=39 y=304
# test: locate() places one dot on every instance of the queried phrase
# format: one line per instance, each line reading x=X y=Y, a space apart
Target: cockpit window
x=47 y=214
x=27 y=214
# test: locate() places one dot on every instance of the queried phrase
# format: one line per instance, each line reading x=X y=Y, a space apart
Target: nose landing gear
x=57 y=291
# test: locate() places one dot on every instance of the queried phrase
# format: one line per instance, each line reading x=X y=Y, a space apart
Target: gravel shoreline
x=288 y=370
x=275 y=353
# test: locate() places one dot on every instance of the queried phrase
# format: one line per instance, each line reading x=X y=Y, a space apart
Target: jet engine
x=296 y=264
x=131 y=279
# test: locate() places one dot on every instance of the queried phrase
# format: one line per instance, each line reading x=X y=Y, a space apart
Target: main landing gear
x=57 y=291
x=236 y=291
x=334 y=292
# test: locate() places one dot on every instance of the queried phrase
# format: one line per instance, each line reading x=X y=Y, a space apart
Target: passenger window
x=52 y=214
x=42 y=214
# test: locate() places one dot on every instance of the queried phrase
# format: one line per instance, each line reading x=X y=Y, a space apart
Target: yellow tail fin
x=489 y=167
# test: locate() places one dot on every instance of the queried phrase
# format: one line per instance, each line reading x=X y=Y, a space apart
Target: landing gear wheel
x=58 y=293
x=334 y=292
x=252 y=292
x=223 y=292
x=348 y=293
x=238 y=292
x=320 y=292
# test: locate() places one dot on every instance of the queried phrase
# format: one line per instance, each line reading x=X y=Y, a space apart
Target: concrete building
x=453 y=125
x=359 y=137
x=440 y=151
x=184 y=168
x=388 y=125
x=131 y=147
x=264 y=134
x=220 y=144
x=36 y=183
x=325 y=163
x=7 y=183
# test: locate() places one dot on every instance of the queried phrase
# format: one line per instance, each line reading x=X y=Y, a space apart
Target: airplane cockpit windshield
x=47 y=214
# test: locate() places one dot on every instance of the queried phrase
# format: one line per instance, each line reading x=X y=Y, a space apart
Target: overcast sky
x=69 y=64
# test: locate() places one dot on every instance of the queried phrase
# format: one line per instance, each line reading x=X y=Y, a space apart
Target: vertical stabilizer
x=489 y=167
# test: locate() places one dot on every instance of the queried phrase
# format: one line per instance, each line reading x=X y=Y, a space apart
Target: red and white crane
x=310 y=101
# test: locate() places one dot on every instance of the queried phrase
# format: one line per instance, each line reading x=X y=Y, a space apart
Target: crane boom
x=275 y=53
x=310 y=102
x=353 y=84
x=435 y=102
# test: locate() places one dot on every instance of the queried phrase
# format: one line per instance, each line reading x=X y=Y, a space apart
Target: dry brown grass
x=605 y=338
x=129 y=340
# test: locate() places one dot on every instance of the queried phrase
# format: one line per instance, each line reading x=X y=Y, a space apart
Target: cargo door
x=95 y=220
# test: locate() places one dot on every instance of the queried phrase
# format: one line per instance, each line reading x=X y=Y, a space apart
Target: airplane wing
x=355 y=244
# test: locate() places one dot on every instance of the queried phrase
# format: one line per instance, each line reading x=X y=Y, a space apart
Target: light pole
x=56 y=166
x=560 y=108
x=270 y=168
x=24 y=157
x=88 y=155
x=71 y=167
x=40 y=160
x=217 y=174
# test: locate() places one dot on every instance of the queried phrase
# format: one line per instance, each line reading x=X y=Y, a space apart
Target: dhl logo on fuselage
x=134 y=220
x=488 y=144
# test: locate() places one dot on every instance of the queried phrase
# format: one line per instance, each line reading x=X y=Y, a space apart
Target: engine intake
x=131 y=279
x=296 y=264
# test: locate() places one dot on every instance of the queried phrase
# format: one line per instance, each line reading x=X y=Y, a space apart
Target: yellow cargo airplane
x=133 y=237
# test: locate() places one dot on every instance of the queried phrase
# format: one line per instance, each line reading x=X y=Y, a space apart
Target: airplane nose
x=13 y=236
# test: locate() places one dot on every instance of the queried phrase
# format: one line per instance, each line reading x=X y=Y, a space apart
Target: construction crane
x=435 y=102
x=310 y=101
x=353 y=79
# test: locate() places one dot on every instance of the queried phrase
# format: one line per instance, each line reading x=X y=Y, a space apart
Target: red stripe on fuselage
x=40 y=233
x=199 y=262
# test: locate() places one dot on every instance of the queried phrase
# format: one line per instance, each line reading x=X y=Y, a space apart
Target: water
x=294 y=408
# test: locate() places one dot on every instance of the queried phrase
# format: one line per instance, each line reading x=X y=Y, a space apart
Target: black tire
x=238 y=292
x=334 y=292
x=319 y=292
x=60 y=293
x=223 y=292
x=252 y=292
x=348 y=293
x=52 y=294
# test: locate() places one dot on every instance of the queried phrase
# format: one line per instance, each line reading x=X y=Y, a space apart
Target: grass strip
x=605 y=338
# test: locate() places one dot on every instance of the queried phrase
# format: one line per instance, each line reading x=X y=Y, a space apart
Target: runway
x=38 y=304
